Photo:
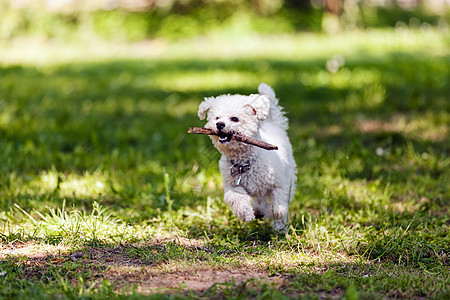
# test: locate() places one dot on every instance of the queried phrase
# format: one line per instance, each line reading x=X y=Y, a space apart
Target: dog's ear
x=204 y=107
x=260 y=105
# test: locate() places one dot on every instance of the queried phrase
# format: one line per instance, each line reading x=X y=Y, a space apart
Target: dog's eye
x=234 y=119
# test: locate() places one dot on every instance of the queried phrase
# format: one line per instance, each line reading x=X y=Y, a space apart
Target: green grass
x=104 y=194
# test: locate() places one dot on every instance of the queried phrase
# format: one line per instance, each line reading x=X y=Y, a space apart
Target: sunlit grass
x=71 y=185
x=375 y=43
x=198 y=81
x=425 y=127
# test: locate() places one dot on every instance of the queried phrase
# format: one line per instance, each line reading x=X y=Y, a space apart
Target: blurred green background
x=133 y=20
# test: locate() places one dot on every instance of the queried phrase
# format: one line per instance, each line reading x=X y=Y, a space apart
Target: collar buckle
x=239 y=169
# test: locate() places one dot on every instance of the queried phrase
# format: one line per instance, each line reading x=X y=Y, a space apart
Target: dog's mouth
x=225 y=137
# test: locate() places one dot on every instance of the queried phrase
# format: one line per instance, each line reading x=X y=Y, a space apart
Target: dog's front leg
x=240 y=203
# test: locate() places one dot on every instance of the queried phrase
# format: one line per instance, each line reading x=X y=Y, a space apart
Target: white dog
x=257 y=182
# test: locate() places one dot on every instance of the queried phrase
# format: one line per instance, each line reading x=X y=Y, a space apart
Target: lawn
x=104 y=194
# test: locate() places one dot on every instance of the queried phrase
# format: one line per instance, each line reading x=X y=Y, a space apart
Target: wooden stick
x=235 y=136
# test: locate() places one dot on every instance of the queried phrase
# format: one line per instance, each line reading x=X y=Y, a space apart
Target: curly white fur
x=266 y=184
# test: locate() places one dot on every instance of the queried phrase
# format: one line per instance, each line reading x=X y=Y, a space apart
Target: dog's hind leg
x=278 y=209
x=280 y=225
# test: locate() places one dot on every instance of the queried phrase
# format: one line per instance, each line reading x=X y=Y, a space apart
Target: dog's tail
x=276 y=114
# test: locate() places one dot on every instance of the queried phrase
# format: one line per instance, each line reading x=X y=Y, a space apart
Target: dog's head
x=233 y=114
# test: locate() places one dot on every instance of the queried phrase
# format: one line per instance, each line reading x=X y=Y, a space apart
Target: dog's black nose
x=220 y=125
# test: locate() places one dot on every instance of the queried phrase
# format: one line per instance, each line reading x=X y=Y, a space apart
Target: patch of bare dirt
x=199 y=279
x=31 y=250
x=125 y=270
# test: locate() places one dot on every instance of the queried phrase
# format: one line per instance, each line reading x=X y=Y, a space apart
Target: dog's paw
x=245 y=215
x=240 y=205
x=279 y=212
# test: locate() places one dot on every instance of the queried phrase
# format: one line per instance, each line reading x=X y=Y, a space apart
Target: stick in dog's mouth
x=228 y=136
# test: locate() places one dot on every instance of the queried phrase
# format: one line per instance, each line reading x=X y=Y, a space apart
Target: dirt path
x=125 y=271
